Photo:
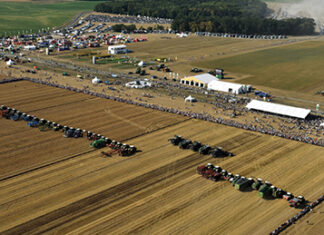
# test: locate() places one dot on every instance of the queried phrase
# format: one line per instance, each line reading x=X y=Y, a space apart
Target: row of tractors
x=98 y=141
x=197 y=146
x=265 y=189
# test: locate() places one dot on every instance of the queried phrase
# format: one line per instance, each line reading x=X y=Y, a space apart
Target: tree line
x=222 y=16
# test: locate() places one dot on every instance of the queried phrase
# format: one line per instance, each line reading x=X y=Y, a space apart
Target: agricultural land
x=18 y=17
x=154 y=191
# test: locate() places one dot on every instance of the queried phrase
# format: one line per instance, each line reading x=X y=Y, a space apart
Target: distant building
x=117 y=49
x=228 y=87
x=201 y=80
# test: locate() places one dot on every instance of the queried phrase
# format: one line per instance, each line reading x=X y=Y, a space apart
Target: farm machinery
x=265 y=189
x=297 y=201
x=176 y=139
x=72 y=132
x=98 y=141
x=197 y=146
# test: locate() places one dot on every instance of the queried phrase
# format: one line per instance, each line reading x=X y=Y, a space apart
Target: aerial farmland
x=156 y=139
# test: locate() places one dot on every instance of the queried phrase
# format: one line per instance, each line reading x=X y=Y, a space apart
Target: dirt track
x=156 y=191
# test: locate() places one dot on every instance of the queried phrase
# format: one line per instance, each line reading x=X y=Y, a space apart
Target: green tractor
x=205 y=149
x=256 y=185
x=98 y=144
x=176 y=139
x=265 y=190
x=244 y=184
x=185 y=144
x=235 y=179
x=195 y=146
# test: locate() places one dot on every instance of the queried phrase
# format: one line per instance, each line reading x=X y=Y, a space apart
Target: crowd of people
x=231 y=35
x=283 y=130
x=295 y=218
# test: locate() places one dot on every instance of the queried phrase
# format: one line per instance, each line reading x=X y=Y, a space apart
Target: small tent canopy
x=96 y=80
x=141 y=64
x=322 y=124
x=10 y=62
x=190 y=99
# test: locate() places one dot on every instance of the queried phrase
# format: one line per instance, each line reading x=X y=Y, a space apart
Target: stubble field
x=156 y=191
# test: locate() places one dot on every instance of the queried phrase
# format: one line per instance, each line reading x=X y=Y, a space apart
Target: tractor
x=224 y=173
x=278 y=193
x=297 y=201
x=256 y=185
x=185 y=144
x=215 y=176
x=217 y=152
x=78 y=133
x=43 y=125
x=16 y=116
x=69 y=133
x=244 y=184
x=205 y=149
x=65 y=128
x=229 y=176
x=127 y=150
x=34 y=122
x=176 y=139
x=108 y=141
x=112 y=144
x=57 y=127
x=27 y=117
x=98 y=144
x=265 y=190
x=288 y=196
x=206 y=171
x=235 y=179
x=195 y=146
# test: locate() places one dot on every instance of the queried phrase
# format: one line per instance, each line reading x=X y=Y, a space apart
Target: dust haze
x=307 y=8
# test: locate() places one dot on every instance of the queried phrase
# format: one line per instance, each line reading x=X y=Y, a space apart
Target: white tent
x=190 y=99
x=278 y=109
x=10 y=62
x=226 y=87
x=96 y=80
x=322 y=124
x=141 y=64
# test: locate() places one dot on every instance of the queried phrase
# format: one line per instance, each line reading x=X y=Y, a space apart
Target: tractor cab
x=205 y=149
x=256 y=185
x=288 y=196
x=296 y=201
x=195 y=146
x=176 y=139
x=184 y=144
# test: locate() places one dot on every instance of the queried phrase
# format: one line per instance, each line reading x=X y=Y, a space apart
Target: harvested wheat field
x=156 y=191
x=25 y=148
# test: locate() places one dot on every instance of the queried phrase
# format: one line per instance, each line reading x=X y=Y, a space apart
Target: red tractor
x=296 y=201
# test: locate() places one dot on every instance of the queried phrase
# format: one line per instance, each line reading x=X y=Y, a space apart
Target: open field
x=33 y=15
x=155 y=191
x=66 y=108
x=294 y=68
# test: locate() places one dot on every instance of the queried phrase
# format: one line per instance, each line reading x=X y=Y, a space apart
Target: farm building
x=117 y=49
x=227 y=87
x=201 y=80
x=280 y=109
